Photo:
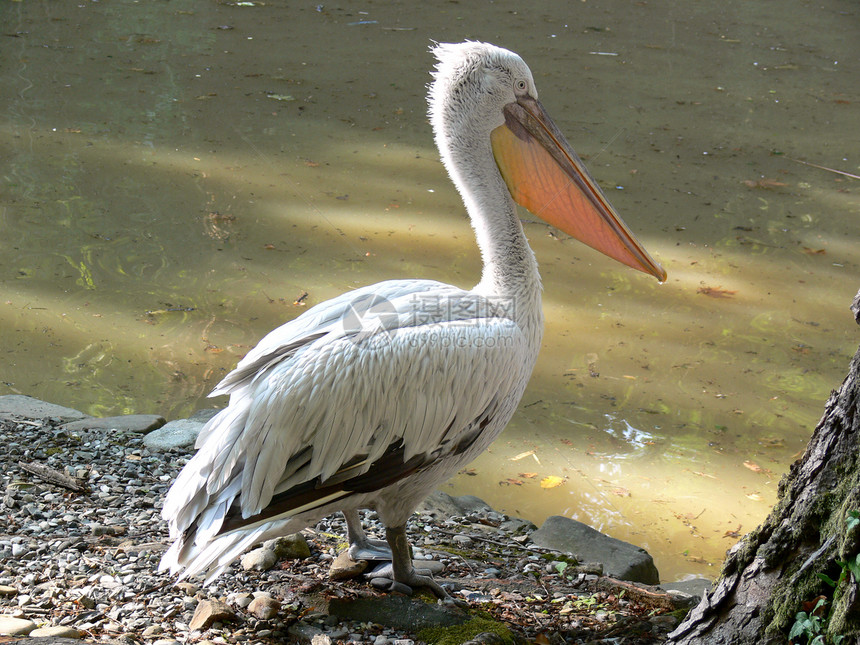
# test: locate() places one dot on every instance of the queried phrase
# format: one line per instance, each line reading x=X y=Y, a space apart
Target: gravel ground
x=84 y=563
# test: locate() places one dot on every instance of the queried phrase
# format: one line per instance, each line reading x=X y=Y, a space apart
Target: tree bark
x=772 y=572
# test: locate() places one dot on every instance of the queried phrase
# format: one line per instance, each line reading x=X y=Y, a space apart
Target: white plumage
x=373 y=398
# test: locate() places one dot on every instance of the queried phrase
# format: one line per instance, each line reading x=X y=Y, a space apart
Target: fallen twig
x=659 y=599
x=48 y=474
x=815 y=165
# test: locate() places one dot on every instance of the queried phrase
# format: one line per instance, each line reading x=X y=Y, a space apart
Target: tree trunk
x=773 y=572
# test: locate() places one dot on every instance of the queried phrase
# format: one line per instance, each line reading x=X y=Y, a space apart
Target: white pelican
x=372 y=399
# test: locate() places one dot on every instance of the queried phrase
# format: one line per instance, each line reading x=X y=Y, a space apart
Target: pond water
x=179 y=178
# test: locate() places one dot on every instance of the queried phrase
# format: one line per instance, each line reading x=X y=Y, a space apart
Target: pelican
x=372 y=399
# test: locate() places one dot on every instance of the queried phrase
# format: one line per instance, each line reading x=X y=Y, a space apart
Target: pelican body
x=373 y=398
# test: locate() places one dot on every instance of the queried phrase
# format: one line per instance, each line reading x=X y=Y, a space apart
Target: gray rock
x=174 y=434
x=202 y=416
x=394 y=611
x=620 y=559
x=141 y=423
x=289 y=547
x=261 y=559
x=304 y=633
x=517 y=525
x=687 y=593
x=241 y=599
x=18 y=406
x=443 y=505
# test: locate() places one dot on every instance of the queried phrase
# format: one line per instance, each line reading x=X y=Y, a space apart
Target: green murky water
x=175 y=176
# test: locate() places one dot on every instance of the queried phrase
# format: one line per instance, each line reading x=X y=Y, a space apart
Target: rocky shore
x=81 y=537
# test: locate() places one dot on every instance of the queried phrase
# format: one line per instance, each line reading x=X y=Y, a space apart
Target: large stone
x=620 y=559
x=141 y=423
x=10 y=626
x=443 y=505
x=18 y=406
x=173 y=434
x=392 y=610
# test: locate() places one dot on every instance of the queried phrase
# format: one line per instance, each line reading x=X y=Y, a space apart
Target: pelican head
x=483 y=105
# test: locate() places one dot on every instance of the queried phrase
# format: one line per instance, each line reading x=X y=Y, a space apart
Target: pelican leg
x=403 y=571
x=362 y=547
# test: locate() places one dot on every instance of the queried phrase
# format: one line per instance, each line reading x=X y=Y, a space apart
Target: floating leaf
x=522 y=455
x=764 y=183
x=703 y=474
x=772 y=442
x=753 y=466
x=716 y=292
x=733 y=534
x=551 y=481
x=755 y=497
x=528 y=475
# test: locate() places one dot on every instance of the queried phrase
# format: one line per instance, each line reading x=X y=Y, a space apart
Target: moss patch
x=457 y=634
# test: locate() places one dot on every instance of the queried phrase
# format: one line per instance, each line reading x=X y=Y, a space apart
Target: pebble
x=344 y=567
x=241 y=600
x=209 y=612
x=264 y=607
x=289 y=547
x=10 y=626
x=57 y=631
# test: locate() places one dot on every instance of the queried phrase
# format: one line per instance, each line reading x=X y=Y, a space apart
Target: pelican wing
x=352 y=408
x=316 y=322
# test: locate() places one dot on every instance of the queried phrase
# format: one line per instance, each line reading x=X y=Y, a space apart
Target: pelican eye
x=521 y=85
